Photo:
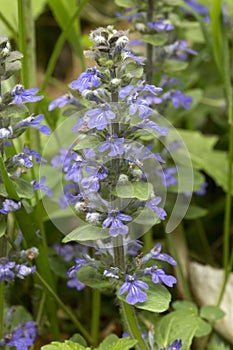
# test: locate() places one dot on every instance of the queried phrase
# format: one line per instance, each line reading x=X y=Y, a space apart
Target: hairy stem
x=132 y=325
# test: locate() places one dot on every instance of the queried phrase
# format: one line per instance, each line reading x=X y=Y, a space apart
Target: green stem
x=149 y=47
x=132 y=325
x=2 y=286
x=41 y=308
x=95 y=321
x=28 y=48
x=2 y=289
x=27 y=43
x=60 y=43
x=69 y=313
x=119 y=259
x=148 y=241
x=228 y=204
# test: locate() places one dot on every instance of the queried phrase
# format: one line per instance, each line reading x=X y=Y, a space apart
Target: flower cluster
x=117 y=110
x=176 y=345
x=153 y=21
x=21 y=337
x=108 y=184
x=19 y=266
x=16 y=119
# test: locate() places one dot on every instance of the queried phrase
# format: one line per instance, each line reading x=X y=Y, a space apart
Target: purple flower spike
x=23 y=270
x=130 y=55
x=140 y=106
x=133 y=286
x=115 y=220
x=25 y=158
x=40 y=186
x=159 y=276
x=155 y=254
x=114 y=143
x=22 y=337
x=176 y=345
x=5 y=269
x=202 y=190
x=8 y=206
x=21 y=95
x=34 y=122
x=177 y=98
x=148 y=124
x=87 y=80
x=199 y=8
x=167 y=176
x=160 y=26
x=74 y=282
x=91 y=184
x=99 y=117
x=153 y=205
x=64 y=100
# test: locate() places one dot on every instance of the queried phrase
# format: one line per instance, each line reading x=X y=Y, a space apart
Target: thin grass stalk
x=60 y=42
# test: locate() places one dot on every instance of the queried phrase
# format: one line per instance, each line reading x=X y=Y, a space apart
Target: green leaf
x=123 y=344
x=23 y=188
x=112 y=338
x=127 y=3
x=158 y=298
x=195 y=212
x=146 y=216
x=203 y=328
x=155 y=39
x=77 y=338
x=2 y=226
x=124 y=190
x=67 y=345
x=189 y=306
x=92 y=278
x=211 y=312
x=19 y=314
x=140 y=190
x=183 y=323
x=134 y=70
x=87 y=142
x=187 y=185
x=86 y=233
x=174 y=65
x=216 y=343
x=204 y=157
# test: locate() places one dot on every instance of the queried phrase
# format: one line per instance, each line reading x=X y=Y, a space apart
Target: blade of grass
x=9 y=26
x=64 y=35
x=62 y=11
x=215 y=15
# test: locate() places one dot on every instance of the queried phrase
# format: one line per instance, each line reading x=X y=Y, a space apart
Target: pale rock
x=206 y=282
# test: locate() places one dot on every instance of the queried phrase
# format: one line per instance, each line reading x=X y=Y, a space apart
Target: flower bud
x=122 y=42
x=93 y=217
x=123 y=178
x=116 y=82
